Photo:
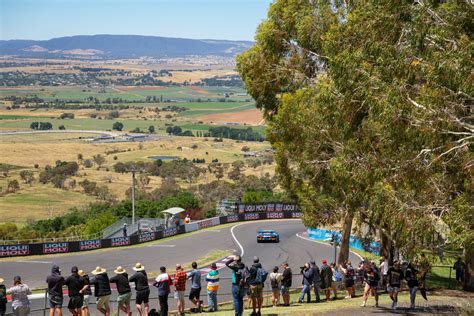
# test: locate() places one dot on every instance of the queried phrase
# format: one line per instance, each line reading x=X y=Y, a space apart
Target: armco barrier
x=86 y=245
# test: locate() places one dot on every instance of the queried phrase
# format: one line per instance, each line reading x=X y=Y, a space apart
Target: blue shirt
x=195 y=276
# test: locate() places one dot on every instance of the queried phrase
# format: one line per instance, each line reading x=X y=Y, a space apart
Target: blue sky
x=213 y=19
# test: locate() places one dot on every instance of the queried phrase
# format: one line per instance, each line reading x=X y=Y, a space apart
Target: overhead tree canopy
x=370 y=113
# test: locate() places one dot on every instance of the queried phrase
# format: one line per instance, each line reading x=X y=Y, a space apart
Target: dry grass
x=38 y=200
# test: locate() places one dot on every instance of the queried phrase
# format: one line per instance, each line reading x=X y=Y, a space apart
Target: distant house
x=133 y=138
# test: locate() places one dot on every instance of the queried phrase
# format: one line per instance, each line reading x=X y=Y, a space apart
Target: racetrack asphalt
x=185 y=249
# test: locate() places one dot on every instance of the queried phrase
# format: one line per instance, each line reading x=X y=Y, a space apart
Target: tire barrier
x=87 y=245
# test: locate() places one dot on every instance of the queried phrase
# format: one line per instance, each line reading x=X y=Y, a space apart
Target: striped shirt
x=212 y=279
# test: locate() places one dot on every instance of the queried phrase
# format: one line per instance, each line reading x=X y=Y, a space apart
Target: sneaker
x=376 y=305
x=363 y=304
x=347 y=297
x=395 y=305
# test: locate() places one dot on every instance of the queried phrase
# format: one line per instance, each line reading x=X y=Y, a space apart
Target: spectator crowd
x=246 y=281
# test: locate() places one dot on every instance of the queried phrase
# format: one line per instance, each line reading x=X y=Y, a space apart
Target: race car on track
x=268 y=235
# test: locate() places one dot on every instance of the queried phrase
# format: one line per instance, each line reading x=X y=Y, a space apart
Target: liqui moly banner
x=120 y=241
x=251 y=216
x=55 y=247
x=267 y=207
x=170 y=232
x=14 y=250
x=147 y=236
x=90 y=244
x=275 y=215
x=232 y=218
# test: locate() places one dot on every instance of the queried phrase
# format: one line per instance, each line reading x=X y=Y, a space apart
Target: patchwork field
x=41 y=200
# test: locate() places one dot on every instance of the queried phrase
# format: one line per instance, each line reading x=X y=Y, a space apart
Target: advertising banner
x=90 y=244
x=267 y=207
x=55 y=247
x=275 y=215
x=14 y=250
x=251 y=216
x=119 y=241
x=170 y=232
x=147 y=236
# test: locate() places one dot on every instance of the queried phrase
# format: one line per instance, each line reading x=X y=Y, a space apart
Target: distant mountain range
x=120 y=46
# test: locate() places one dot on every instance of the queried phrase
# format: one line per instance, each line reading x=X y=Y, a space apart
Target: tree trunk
x=469 y=275
x=386 y=248
x=346 y=234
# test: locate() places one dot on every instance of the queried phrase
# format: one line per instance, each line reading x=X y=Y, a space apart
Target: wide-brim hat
x=138 y=267
x=2 y=280
x=81 y=273
x=120 y=270
x=98 y=270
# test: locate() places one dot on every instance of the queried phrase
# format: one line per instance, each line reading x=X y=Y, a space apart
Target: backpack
x=244 y=276
x=274 y=282
x=261 y=276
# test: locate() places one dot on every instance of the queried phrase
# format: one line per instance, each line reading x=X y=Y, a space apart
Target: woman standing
x=20 y=301
x=275 y=281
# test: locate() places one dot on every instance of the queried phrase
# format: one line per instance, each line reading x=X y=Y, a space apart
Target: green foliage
x=117 y=126
x=369 y=110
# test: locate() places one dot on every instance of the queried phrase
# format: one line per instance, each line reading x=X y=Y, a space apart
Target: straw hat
x=98 y=270
x=81 y=273
x=1 y=280
x=120 y=270
x=138 y=267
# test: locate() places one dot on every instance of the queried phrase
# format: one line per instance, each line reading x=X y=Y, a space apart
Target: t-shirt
x=20 y=294
x=163 y=282
x=212 y=279
x=371 y=277
x=121 y=280
x=237 y=270
x=326 y=276
x=395 y=277
x=459 y=266
x=349 y=275
x=180 y=280
x=101 y=285
x=74 y=284
x=286 y=277
x=141 y=281
x=195 y=277
x=410 y=276
x=384 y=267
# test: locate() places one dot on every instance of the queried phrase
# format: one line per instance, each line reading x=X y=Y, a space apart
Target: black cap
x=74 y=269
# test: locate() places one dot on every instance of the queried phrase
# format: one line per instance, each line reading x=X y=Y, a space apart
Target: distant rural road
x=59 y=131
x=296 y=251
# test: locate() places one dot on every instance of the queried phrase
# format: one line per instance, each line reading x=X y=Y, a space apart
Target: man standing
x=163 y=283
x=286 y=281
x=179 y=283
x=102 y=291
x=459 y=266
x=55 y=291
x=124 y=230
x=123 y=288
x=20 y=301
x=212 y=279
x=307 y=281
x=412 y=282
x=76 y=288
x=395 y=277
x=238 y=283
x=141 y=286
x=257 y=277
x=195 y=293
x=87 y=293
x=316 y=280
x=326 y=279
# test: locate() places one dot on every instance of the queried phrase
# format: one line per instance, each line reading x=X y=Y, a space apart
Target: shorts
x=195 y=293
x=349 y=283
x=325 y=286
x=178 y=295
x=124 y=299
x=393 y=289
x=85 y=301
x=275 y=291
x=21 y=310
x=256 y=291
x=284 y=290
x=55 y=301
x=103 y=301
x=75 y=302
x=371 y=286
x=143 y=296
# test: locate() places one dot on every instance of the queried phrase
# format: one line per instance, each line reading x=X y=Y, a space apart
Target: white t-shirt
x=384 y=267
